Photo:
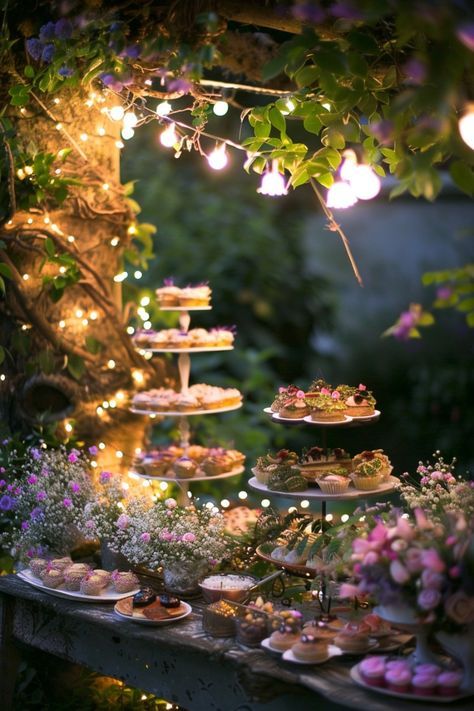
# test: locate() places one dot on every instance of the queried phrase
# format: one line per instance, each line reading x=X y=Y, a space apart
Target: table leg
x=9 y=654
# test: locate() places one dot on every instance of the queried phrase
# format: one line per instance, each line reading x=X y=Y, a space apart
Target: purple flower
x=428 y=599
x=105 y=476
x=48 y=53
x=72 y=458
x=65 y=71
x=346 y=11
x=90 y=524
x=307 y=12
x=133 y=51
x=63 y=29
x=41 y=496
x=93 y=450
x=415 y=71
x=74 y=487
x=145 y=537
x=44 y=472
x=465 y=34
x=36 y=513
x=34 y=48
x=46 y=32
x=35 y=453
x=2 y=483
x=122 y=522
x=2 y=470
x=112 y=82
x=431 y=559
x=444 y=293
x=32 y=479
x=189 y=538
x=25 y=525
x=430 y=579
x=180 y=85
x=67 y=503
x=6 y=503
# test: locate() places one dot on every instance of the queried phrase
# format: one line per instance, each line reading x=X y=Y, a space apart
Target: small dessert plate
x=321 y=423
x=333 y=651
x=265 y=643
x=357 y=678
x=392 y=643
x=373 y=646
x=367 y=418
x=279 y=418
x=142 y=620
x=269 y=411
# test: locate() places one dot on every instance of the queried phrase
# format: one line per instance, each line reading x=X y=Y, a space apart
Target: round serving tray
x=175 y=413
x=198 y=349
x=300 y=570
x=184 y=308
x=348 y=421
x=189 y=480
x=317 y=494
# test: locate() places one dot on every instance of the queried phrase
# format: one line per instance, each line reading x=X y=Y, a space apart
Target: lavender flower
x=67 y=503
x=63 y=29
x=34 y=48
x=65 y=71
x=47 y=32
x=6 y=503
x=93 y=450
x=48 y=54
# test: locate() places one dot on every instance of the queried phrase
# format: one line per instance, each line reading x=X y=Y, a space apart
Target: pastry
x=294 y=408
x=124 y=582
x=309 y=649
x=376 y=626
x=352 y=641
x=168 y=294
x=169 y=601
x=317 y=460
x=144 y=597
x=199 y=295
x=267 y=464
x=91 y=584
x=104 y=576
x=367 y=476
x=61 y=563
x=397 y=664
x=424 y=684
x=334 y=483
x=449 y=683
x=73 y=579
x=283 y=395
x=372 y=670
x=37 y=565
x=184 y=468
x=284 y=638
x=326 y=406
x=360 y=403
x=428 y=669
x=398 y=680
x=369 y=455
x=75 y=568
x=319 y=630
x=51 y=577
x=286 y=478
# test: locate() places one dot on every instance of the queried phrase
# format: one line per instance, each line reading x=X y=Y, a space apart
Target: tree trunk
x=71 y=358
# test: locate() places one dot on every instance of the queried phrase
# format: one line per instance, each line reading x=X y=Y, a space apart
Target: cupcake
x=267 y=464
x=284 y=638
x=372 y=671
x=326 y=406
x=73 y=579
x=77 y=568
x=310 y=649
x=37 y=565
x=124 y=582
x=184 y=468
x=51 y=577
x=397 y=665
x=286 y=478
x=449 y=683
x=369 y=455
x=428 y=669
x=92 y=584
x=103 y=575
x=168 y=294
x=424 y=684
x=195 y=296
x=334 y=483
x=61 y=563
x=398 y=680
x=251 y=629
x=294 y=408
x=367 y=476
x=360 y=403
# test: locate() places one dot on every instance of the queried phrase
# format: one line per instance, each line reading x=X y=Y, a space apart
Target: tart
x=368 y=476
x=184 y=468
x=284 y=639
x=52 y=578
x=294 y=408
x=326 y=406
x=124 y=582
x=286 y=478
x=352 y=641
x=360 y=403
x=73 y=579
x=283 y=395
x=369 y=455
x=334 y=483
x=92 y=584
x=104 y=576
x=267 y=464
x=319 y=630
x=309 y=649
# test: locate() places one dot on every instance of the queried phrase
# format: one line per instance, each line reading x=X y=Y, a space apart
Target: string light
x=348 y=165
x=292 y=509
x=220 y=108
x=364 y=182
x=265 y=503
x=105 y=404
x=119 y=454
x=119 y=144
x=71 y=239
x=242 y=495
x=225 y=503
x=340 y=195
x=30 y=220
x=120 y=395
x=138 y=274
x=127 y=133
x=146 y=324
x=93 y=464
x=68 y=427
x=28 y=170
x=329 y=517
x=99 y=411
x=273 y=182
x=3 y=377
x=101 y=131
x=93 y=315
x=85 y=322
x=116 y=113
x=163 y=108
x=304 y=504
x=466 y=126
x=105 y=186
x=62 y=270
x=112 y=403
x=114 y=241
x=130 y=330
x=79 y=313
x=145 y=300
x=130 y=120
x=169 y=137
x=84 y=137
x=138 y=376
x=58 y=126
x=101 y=445
x=218 y=158
x=26 y=277
x=111 y=364
x=344 y=518
x=120 y=277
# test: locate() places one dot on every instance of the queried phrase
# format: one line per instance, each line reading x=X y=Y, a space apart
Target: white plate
x=367 y=418
x=161 y=477
x=269 y=411
x=265 y=643
x=145 y=621
x=350 y=493
x=198 y=349
x=333 y=651
x=373 y=644
x=175 y=413
x=109 y=595
x=184 y=308
x=356 y=677
x=321 y=423
x=393 y=642
x=279 y=418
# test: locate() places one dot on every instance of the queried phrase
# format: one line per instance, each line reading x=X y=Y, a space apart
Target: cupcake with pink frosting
x=397 y=664
x=398 y=680
x=124 y=582
x=424 y=684
x=372 y=670
x=449 y=683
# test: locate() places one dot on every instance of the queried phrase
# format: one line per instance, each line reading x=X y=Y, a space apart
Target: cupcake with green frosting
x=326 y=406
x=368 y=475
x=334 y=482
x=286 y=478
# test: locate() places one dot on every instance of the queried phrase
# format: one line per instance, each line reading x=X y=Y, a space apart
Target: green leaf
x=46 y=361
x=5 y=270
x=262 y=129
x=463 y=176
x=76 y=366
x=466 y=305
x=307 y=76
x=277 y=119
x=426 y=319
x=93 y=345
x=470 y=319
x=2 y=285
x=326 y=179
x=49 y=247
x=414 y=333
x=312 y=124
x=29 y=71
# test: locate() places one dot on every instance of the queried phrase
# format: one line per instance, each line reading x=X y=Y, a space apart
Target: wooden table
x=177 y=662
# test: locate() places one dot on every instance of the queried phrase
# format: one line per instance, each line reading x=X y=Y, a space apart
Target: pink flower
x=72 y=458
x=32 y=479
x=93 y=450
x=428 y=599
x=361 y=546
x=90 y=524
x=362 y=387
x=74 y=487
x=336 y=395
x=430 y=579
x=41 y=496
x=379 y=533
x=348 y=590
x=371 y=558
x=281 y=390
x=325 y=391
x=430 y=559
x=404 y=529
x=454 y=571
x=451 y=540
x=165 y=535
x=300 y=394
x=398 y=572
x=422 y=522
x=67 y=503
x=170 y=503
x=189 y=538
x=437 y=476
x=122 y=522
x=424 y=480
x=145 y=537
x=105 y=476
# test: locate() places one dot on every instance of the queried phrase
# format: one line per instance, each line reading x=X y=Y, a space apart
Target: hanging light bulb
x=220 y=108
x=116 y=113
x=130 y=119
x=348 y=165
x=466 y=127
x=218 y=158
x=273 y=182
x=127 y=133
x=364 y=182
x=163 y=108
x=340 y=195
x=169 y=137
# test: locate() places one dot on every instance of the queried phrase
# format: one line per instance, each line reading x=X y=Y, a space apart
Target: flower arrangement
x=44 y=500
x=438 y=490
x=166 y=534
x=426 y=566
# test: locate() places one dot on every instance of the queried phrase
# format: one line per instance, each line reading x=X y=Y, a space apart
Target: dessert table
x=178 y=662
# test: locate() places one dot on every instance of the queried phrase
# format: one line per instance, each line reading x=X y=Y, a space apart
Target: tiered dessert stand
x=315 y=494
x=184 y=368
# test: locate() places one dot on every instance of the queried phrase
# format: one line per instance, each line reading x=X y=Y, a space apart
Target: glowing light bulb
x=130 y=119
x=85 y=322
x=273 y=182
x=105 y=186
x=3 y=377
x=100 y=411
x=344 y=518
x=84 y=137
x=111 y=364
x=71 y=239
x=163 y=485
x=144 y=301
x=116 y=113
x=62 y=324
x=340 y=195
x=138 y=274
x=120 y=277
x=120 y=395
x=62 y=270
x=101 y=445
x=93 y=464
x=304 y=504
x=163 y=108
x=169 y=137
x=146 y=324
x=26 y=277
x=364 y=182
x=329 y=517
x=218 y=158
x=466 y=127
x=225 y=503
x=30 y=220
x=119 y=454
x=220 y=108
x=138 y=376
x=127 y=133
x=28 y=170
x=130 y=330
x=243 y=495
x=101 y=131
x=114 y=241
x=68 y=427
x=348 y=165
x=93 y=315
x=79 y=313
x=265 y=503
